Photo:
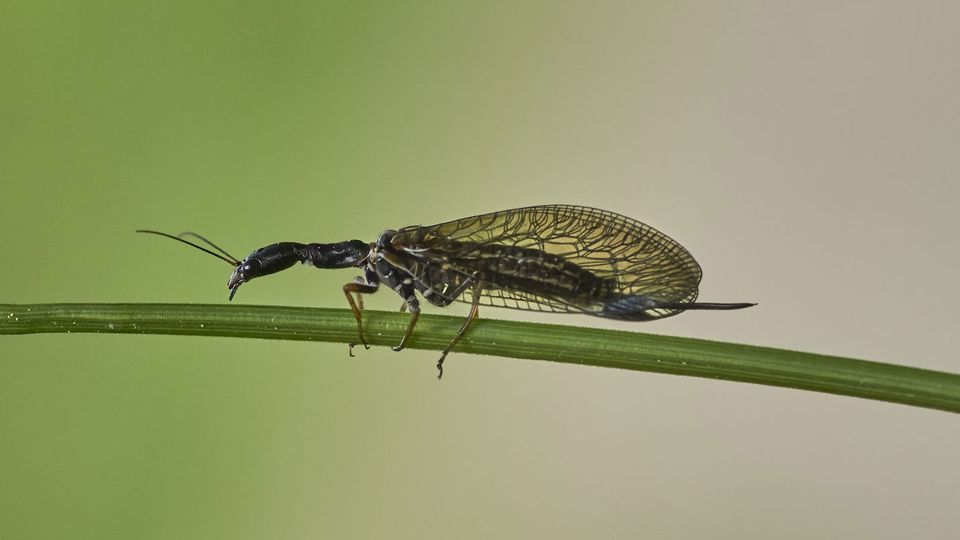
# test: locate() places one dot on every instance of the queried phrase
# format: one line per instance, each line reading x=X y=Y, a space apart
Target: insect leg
x=359 y=288
x=359 y=296
x=474 y=311
x=406 y=290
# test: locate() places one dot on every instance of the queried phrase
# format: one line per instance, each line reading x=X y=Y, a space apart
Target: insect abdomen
x=633 y=308
x=535 y=271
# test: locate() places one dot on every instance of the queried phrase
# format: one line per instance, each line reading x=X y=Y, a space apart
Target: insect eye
x=251 y=267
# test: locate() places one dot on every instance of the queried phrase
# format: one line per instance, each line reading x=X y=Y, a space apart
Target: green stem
x=569 y=344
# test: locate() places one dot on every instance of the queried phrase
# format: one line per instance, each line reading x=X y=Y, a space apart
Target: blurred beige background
x=805 y=152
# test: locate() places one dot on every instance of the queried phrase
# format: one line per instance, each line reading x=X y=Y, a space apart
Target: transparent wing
x=628 y=257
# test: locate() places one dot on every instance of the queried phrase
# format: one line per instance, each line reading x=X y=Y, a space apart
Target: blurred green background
x=805 y=152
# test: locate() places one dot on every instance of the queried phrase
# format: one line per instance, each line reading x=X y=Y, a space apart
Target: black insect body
x=557 y=258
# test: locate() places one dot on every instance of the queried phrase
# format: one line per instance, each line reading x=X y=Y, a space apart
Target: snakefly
x=557 y=258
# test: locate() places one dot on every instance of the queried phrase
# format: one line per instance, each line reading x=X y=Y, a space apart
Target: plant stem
x=569 y=344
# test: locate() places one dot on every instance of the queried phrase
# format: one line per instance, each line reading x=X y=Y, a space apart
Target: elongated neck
x=338 y=255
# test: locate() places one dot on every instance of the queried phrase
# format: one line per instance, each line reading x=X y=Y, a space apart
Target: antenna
x=230 y=259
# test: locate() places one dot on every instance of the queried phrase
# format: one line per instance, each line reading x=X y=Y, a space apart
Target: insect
x=555 y=258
